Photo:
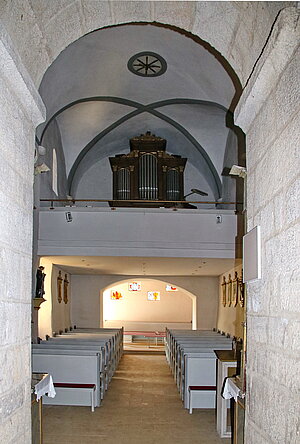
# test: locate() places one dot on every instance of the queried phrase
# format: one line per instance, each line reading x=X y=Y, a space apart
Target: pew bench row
x=190 y=355
x=82 y=364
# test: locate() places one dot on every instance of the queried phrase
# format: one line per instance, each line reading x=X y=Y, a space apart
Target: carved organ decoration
x=147 y=174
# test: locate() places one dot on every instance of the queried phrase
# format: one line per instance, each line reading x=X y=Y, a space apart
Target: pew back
x=71 y=367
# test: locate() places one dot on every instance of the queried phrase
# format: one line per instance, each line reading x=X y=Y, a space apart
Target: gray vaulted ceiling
x=98 y=105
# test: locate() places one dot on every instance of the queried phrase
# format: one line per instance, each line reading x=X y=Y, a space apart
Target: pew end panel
x=73 y=394
x=71 y=369
x=200 y=371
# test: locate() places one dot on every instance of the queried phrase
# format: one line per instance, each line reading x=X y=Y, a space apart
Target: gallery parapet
x=172 y=204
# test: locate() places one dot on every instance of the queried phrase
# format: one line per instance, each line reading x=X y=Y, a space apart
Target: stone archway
x=239 y=31
x=232 y=39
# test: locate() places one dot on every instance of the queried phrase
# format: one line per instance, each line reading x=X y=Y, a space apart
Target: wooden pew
x=191 y=357
x=111 y=359
x=106 y=344
x=44 y=348
x=111 y=341
x=197 y=368
x=76 y=367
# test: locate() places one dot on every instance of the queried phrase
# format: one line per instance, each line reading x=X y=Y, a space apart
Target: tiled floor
x=142 y=406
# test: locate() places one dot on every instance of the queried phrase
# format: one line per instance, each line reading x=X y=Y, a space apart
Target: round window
x=147 y=64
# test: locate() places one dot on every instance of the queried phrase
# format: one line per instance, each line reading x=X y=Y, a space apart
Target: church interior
x=150 y=237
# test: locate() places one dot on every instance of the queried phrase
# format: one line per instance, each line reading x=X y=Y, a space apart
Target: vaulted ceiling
x=99 y=104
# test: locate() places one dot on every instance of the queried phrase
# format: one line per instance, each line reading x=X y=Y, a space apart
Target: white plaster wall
x=230 y=318
x=60 y=310
x=134 y=305
x=269 y=114
x=53 y=316
x=86 y=308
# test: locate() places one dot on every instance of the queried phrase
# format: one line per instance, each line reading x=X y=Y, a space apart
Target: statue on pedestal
x=40 y=278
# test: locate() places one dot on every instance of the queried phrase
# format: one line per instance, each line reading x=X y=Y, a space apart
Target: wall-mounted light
x=237 y=170
x=42 y=168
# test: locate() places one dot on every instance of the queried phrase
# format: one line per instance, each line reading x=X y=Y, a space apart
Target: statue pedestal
x=37 y=302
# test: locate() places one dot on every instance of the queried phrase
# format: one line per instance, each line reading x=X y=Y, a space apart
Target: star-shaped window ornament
x=147 y=64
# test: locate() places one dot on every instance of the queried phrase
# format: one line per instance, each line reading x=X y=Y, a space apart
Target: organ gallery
x=147 y=174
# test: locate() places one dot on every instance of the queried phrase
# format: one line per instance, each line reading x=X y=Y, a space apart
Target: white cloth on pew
x=45 y=386
x=231 y=390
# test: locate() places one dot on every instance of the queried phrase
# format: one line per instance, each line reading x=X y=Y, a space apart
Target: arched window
x=148 y=184
x=54 y=172
x=123 y=187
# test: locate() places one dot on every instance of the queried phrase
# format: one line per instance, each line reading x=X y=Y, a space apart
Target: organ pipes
x=123 y=184
x=148 y=187
x=173 y=190
x=147 y=173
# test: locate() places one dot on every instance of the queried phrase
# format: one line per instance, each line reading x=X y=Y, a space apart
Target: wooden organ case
x=147 y=174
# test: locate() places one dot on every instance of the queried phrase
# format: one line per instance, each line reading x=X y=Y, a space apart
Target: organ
x=147 y=174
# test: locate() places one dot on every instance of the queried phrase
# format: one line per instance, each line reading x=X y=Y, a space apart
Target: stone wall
x=20 y=112
x=269 y=113
x=34 y=24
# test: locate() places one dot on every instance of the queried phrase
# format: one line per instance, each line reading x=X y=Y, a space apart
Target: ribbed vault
x=98 y=104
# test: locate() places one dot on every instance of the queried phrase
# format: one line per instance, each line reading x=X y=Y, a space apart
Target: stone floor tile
x=142 y=406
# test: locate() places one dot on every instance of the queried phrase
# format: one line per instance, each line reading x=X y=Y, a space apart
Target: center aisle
x=142 y=406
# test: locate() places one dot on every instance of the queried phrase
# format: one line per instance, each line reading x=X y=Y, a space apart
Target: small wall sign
x=134 y=286
x=252 y=255
x=116 y=295
x=171 y=288
x=153 y=296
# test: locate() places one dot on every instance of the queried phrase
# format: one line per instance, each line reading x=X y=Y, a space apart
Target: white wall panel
x=137 y=232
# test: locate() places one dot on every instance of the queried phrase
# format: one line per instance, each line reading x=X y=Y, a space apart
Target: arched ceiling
x=99 y=104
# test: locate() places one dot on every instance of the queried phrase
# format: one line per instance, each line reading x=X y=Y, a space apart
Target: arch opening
x=125 y=105
x=138 y=310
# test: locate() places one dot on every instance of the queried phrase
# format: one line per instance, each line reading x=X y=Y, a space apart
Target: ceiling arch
x=213 y=175
x=90 y=93
x=128 y=102
x=214 y=179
